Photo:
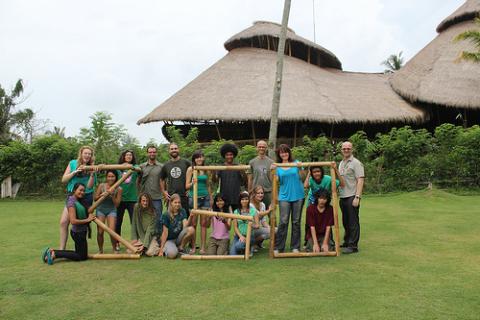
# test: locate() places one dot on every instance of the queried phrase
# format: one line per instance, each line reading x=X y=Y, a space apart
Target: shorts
x=112 y=213
x=202 y=202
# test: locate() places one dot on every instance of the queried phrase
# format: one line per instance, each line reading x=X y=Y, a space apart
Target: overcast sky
x=127 y=57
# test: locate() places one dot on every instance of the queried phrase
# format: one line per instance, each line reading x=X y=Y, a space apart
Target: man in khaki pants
x=351 y=169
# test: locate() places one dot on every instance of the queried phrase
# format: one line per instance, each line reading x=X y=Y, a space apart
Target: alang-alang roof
x=240 y=86
x=435 y=75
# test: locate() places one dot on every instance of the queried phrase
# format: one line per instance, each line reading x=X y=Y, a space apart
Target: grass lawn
x=419 y=259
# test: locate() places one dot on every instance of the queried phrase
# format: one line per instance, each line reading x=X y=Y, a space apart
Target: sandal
x=44 y=254
x=49 y=257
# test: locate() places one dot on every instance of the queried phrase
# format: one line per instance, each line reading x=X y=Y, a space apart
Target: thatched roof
x=468 y=11
x=435 y=75
x=239 y=87
x=265 y=34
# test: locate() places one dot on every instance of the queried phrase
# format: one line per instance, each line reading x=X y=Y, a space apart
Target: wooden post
x=335 y=210
x=228 y=168
x=211 y=257
x=221 y=214
x=247 y=240
x=115 y=235
x=115 y=186
x=218 y=131
x=273 y=214
x=111 y=256
x=195 y=188
x=253 y=133
x=277 y=86
x=295 y=135
x=305 y=254
x=104 y=167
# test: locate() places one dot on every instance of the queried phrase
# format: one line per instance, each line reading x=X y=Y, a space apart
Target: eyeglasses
x=346 y=149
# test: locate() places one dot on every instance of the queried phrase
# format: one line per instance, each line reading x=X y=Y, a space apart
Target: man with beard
x=173 y=176
x=149 y=179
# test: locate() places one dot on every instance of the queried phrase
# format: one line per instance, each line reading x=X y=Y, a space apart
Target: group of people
x=153 y=185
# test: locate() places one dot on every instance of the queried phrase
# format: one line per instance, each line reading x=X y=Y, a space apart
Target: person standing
x=290 y=199
x=351 y=170
x=129 y=190
x=260 y=172
x=149 y=179
x=174 y=175
x=231 y=181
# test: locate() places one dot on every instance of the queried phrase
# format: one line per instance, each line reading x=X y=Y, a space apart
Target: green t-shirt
x=129 y=186
x=81 y=177
x=243 y=224
x=202 y=186
x=325 y=184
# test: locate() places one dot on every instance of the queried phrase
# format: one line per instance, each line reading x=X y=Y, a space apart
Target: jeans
x=351 y=222
x=157 y=205
x=81 y=248
x=287 y=209
x=202 y=202
x=238 y=246
x=124 y=205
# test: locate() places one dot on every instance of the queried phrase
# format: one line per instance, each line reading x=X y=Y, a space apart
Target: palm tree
x=474 y=37
x=393 y=63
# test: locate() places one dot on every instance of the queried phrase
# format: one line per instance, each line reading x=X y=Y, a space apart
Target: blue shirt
x=291 y=186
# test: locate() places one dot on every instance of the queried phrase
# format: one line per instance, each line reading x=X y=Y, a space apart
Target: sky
x=127 y=57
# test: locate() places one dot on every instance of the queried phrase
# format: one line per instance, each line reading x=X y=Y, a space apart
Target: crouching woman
x=175 y=230
x=79 y=218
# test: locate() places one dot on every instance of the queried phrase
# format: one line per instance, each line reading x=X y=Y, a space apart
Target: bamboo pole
x=112 y=256
x=115 y=235
x=195 y=188
x=221 y=214
x=335 y=210
x=115 y=186
x=219 y=168
x=305 y=254
x=273 y=213
x=212 y=257
x=247 y=241
x=304 y=164
x=103 y=167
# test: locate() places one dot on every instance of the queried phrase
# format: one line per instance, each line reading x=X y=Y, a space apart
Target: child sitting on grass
x=240 y=226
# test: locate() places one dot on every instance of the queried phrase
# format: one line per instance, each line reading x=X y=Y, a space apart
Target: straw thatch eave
x=435 y=76
x=468 y=11
x=265 y=35
x=239 y=88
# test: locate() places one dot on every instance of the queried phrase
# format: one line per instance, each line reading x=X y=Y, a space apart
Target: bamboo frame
x=115 y=186
x=210 y=257
x=103 y=167
x=112 y=256
x=335 y=253
x=207 y=213
x=115 y=235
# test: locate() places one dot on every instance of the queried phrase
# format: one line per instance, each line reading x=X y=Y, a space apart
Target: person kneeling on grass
x=175 y=230
x=319 y=221
x=143 y=222
x=240 y=226
x=263 y=231
x=220 y=237
x=79 y=218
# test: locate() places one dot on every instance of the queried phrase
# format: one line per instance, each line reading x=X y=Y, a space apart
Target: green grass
x=419 y=259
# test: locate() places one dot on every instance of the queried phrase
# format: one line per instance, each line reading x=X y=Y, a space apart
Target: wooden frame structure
x=195 y=210
x=102 y=225
x=335 y=212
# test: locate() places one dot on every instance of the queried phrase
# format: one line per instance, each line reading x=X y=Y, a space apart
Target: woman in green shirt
x=204 y=197
x=129 y=191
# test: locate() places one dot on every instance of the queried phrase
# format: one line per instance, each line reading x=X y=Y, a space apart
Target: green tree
x=474 y=37
x=104 y=136
x=393 y=63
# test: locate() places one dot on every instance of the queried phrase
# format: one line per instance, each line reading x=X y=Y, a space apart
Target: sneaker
x=275 y=252
x=295 y=251
x=349 y=250
x=343 y=245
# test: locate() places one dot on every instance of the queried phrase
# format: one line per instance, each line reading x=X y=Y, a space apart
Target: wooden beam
x=212 y=257
x=115 y=235
x=304 y=164
x=335 y=210
x=247 y=241
x=253 y=133
x=115 y=186
x=222 y=214
x=104 y=167
x=112 y=256
x=273 y=213
x=219 y=168
x=305 y=254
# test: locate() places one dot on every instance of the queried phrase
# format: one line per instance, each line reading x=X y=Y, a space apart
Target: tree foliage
x=393 y=63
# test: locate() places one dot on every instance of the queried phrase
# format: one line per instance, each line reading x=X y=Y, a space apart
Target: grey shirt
x=150 y=182
x=351 y=170
x=261 y=172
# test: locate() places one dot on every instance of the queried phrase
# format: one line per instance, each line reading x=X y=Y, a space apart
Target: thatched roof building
x=435 y=77
x=317 y=96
